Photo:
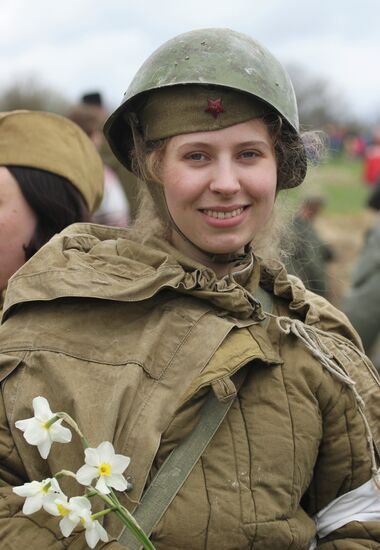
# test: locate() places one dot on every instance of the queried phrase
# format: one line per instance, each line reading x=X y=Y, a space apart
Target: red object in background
x=372 y=164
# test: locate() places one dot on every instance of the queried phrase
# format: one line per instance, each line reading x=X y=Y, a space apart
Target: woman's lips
x=224 y=217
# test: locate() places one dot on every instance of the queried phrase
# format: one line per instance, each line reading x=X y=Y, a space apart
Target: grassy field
x=340 y=181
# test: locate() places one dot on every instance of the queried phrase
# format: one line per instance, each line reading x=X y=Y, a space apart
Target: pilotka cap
x=54 y=143
x=185 y=109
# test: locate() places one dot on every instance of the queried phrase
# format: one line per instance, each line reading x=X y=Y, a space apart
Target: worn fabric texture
x=129 y=339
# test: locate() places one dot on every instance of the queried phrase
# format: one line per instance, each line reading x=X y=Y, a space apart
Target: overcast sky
x=77 y=46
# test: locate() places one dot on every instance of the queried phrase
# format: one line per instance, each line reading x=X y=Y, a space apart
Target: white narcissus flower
x=38 y=430
x=94 y=530
x=103 y=463
x=70 y=511
x=78 y=510
x=39 y=494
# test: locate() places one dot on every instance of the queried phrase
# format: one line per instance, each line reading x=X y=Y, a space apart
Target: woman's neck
x=188 y=249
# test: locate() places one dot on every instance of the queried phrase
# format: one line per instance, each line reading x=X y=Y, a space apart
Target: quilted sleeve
x=345 y=461
x=354 y=536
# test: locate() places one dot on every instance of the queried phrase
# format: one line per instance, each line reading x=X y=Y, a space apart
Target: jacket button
x=130 y=484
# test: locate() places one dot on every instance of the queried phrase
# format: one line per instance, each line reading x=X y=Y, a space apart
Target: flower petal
x=92 y=537
x=44 y=447
x=80 y=504
x=33 y=431
x=49 y=504
x=101 y=486
x=29 y=489
x=91 y=457
x=120 y=463
x=42 y=409
x=67 y=526
x=23 y=424
x=32 y=504
x=35 y=434
x=55 y=486
x=103 y=535
x=117 y=481
x=60 y=433
x=106 y=452
x=86 y=474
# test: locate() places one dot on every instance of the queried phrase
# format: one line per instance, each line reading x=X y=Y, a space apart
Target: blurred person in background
x=362 y=300
x=373 y=200
x=372 y=159
x=50 y=177
x=308 y=254
x=90 y=116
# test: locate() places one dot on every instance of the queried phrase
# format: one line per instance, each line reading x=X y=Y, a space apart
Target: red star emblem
x=214 y=106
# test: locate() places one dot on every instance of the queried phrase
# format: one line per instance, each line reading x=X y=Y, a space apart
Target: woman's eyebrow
x=254 y=143
x=205 y=144
x=196 y=144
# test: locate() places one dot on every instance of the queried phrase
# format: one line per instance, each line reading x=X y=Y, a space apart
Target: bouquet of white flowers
x=101 y=473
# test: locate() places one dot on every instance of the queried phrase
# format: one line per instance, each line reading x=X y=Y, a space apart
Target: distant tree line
x=320 y=103
x=33 y=95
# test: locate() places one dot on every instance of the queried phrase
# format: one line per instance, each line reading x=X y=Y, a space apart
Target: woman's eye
x=196 y=156
x=249 y=154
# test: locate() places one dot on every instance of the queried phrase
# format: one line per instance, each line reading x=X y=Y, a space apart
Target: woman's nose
x=224 y=179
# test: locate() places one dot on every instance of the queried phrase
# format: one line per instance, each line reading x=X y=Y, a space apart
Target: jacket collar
x=93 y=261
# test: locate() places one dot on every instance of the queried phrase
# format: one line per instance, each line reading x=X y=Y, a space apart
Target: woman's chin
x=222 y=247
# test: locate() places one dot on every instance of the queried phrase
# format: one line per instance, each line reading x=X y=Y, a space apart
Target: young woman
x=149 y=323
x=50 y=177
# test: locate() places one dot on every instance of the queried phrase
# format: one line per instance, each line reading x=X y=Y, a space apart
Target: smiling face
x=17 y=225
x=220 y=186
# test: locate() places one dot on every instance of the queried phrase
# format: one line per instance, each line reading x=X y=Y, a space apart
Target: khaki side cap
x=54 y=143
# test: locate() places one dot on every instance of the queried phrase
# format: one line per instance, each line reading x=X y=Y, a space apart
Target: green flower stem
x=71 y=422
x=106 y=498
x=50 y=422
x=47 y=486
x=85 y=443
x=126 y=517
x=102 y=513
x=64 y=473
x=131 y=524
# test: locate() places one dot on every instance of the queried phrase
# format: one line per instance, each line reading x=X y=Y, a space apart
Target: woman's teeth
x=224 y=215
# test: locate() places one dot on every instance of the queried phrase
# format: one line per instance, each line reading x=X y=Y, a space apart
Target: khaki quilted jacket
x=129 y=340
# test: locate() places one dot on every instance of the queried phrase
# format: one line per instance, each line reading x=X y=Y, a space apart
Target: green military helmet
x=209 y=58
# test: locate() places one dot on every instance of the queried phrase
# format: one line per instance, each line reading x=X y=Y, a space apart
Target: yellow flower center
x=62 y=510
x=104 y=469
